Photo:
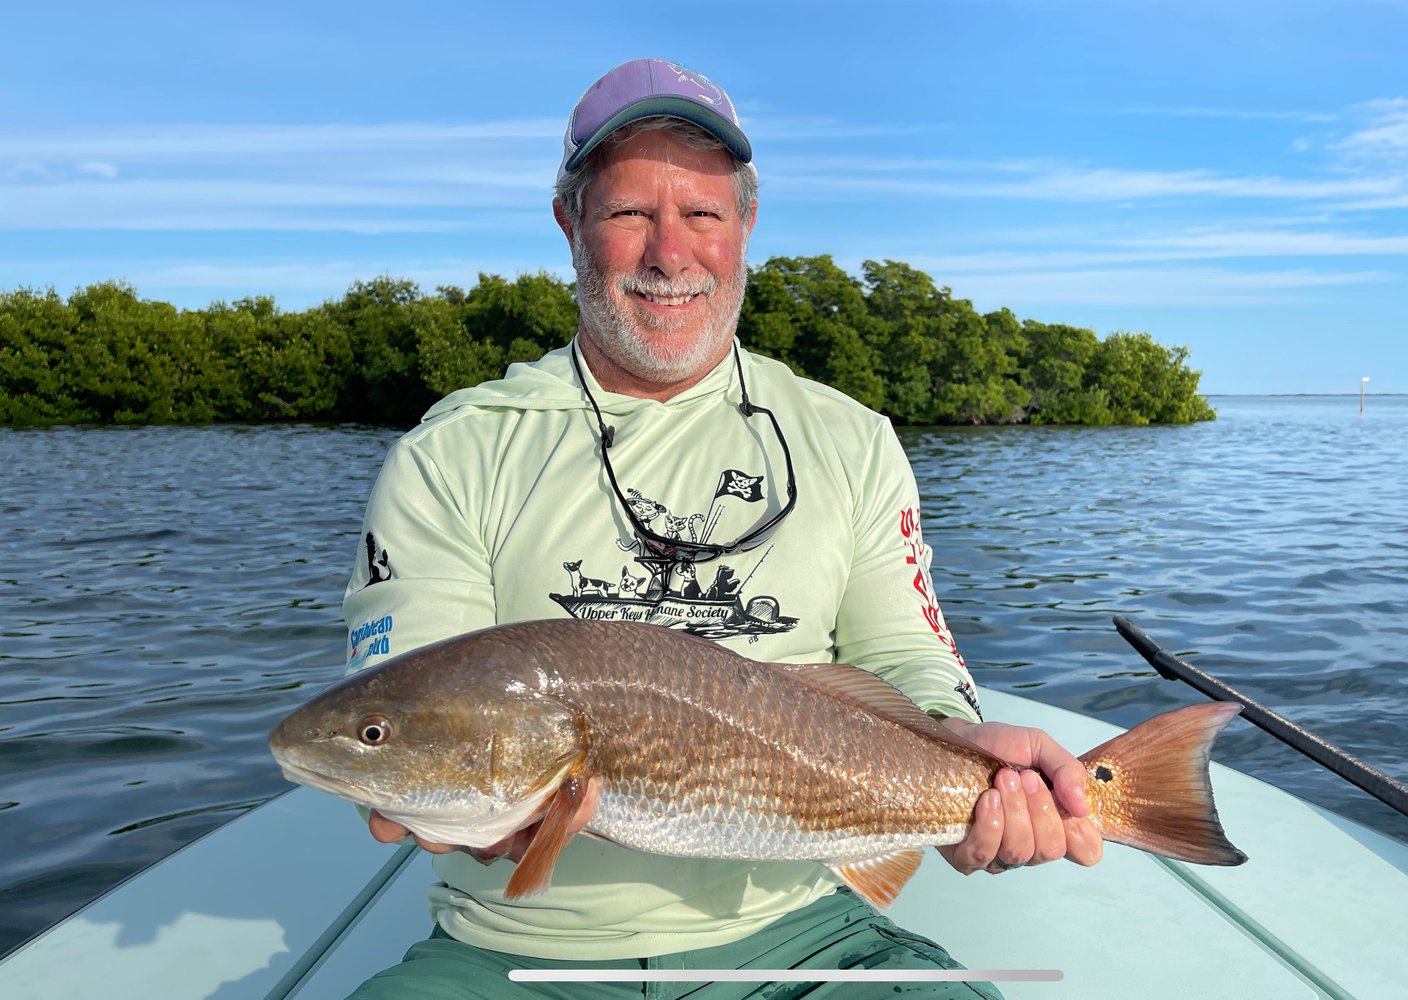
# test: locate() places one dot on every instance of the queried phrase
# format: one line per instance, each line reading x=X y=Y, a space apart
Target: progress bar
x=785 y=975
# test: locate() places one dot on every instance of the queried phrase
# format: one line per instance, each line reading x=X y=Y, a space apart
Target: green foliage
x=466 y=338
x=898 y=343
x=135 y=362
x=1146 y=383
x=810 y=313
x=36 y=333
x=279 y=366
x=385 y=351
x=382 y=318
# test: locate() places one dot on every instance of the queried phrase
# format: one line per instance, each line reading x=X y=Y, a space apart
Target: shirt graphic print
x=708 y=598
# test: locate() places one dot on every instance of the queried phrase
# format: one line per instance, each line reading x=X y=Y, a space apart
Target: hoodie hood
x=551 y=383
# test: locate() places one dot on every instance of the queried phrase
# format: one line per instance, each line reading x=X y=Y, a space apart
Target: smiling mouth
x=669 y=300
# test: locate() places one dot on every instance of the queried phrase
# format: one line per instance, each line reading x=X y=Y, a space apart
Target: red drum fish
x=700 y=752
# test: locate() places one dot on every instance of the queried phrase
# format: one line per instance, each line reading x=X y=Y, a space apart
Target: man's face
x=660 y=258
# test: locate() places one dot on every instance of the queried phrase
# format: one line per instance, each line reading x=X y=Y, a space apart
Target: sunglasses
x=679 y=550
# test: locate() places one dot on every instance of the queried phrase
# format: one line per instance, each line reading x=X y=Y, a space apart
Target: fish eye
x=374 y=730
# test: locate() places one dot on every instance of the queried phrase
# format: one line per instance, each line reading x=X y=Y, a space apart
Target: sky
x=1228 y=176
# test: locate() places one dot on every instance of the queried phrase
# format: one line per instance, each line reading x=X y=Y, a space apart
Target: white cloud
x=28 y=168
x=1376 y=204
x=1096 y=185
x=810 y=129
x=829 y=164
x=1366 y=146
x=1204 y=287
x=536 y=176
x=362 y=178
x=97 y=168
x=429 y=177
x=1235 y=113
x=193 y=204
x=1158 y=249
x=1160 y=268
x=188 y=140
x=1385 y=134
x=258 y=221
x=1274 y=243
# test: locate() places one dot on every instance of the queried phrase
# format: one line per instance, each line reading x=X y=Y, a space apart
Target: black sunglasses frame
x=678 y=550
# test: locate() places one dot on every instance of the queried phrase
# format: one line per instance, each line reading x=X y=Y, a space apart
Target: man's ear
x=564 y=219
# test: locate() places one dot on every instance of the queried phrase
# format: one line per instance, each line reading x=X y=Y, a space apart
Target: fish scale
x=848 y=777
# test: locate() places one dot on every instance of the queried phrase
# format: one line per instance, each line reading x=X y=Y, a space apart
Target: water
x=1269 y=547
x=166 y=594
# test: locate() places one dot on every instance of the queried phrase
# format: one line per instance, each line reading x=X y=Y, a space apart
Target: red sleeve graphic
x=913 y=541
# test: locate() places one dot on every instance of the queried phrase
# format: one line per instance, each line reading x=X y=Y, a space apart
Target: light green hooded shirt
x=497 y=509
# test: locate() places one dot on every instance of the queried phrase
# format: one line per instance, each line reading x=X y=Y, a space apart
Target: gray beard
x=616 y=333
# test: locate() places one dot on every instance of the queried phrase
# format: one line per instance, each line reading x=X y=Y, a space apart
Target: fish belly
x=746 y=833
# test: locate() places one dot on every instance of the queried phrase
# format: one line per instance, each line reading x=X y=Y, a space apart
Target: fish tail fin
x=1149 y=788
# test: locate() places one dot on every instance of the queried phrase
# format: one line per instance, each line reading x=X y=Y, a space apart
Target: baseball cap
x=647 y=88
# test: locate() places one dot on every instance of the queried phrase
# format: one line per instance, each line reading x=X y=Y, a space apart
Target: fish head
x=459 y=757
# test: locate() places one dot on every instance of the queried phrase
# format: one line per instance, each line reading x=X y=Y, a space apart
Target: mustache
x=646 y=283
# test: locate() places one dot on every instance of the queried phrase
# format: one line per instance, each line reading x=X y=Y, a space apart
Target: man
x=766 y=512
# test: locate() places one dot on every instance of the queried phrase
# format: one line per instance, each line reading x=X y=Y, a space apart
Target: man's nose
x=667 y=247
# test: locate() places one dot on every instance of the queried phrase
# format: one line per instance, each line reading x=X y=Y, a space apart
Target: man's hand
x=512 y=847
x=1020 y=821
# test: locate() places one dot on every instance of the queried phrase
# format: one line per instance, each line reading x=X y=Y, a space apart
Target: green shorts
x=837 y=932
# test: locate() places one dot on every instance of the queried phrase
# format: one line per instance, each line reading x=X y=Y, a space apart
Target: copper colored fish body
x=698 y=752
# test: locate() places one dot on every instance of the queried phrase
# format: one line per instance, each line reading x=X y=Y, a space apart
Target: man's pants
x=837 y=932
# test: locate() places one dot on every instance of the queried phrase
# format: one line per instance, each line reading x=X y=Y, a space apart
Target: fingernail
x=1010 y=781
x=1031 y=781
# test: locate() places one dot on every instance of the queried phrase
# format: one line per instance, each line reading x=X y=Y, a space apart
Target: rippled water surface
x=167 y=593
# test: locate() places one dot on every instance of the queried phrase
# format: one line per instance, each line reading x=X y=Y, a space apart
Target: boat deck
x=295 y=900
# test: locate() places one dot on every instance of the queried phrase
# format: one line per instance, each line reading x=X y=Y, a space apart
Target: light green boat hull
x=294 y=899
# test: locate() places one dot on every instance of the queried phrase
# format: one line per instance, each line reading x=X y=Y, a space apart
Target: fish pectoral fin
x=879 y=880
x=534 y=872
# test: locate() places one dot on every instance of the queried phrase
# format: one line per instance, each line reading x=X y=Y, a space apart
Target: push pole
x=1362 y=383
x=1389 y=791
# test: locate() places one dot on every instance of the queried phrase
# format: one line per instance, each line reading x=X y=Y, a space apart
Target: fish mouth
x=468 y=824
x=324 y=782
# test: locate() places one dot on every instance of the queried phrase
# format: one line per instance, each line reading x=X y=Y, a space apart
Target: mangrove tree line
x=385 y=351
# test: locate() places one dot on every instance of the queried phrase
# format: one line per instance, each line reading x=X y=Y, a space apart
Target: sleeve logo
x=912 y=537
